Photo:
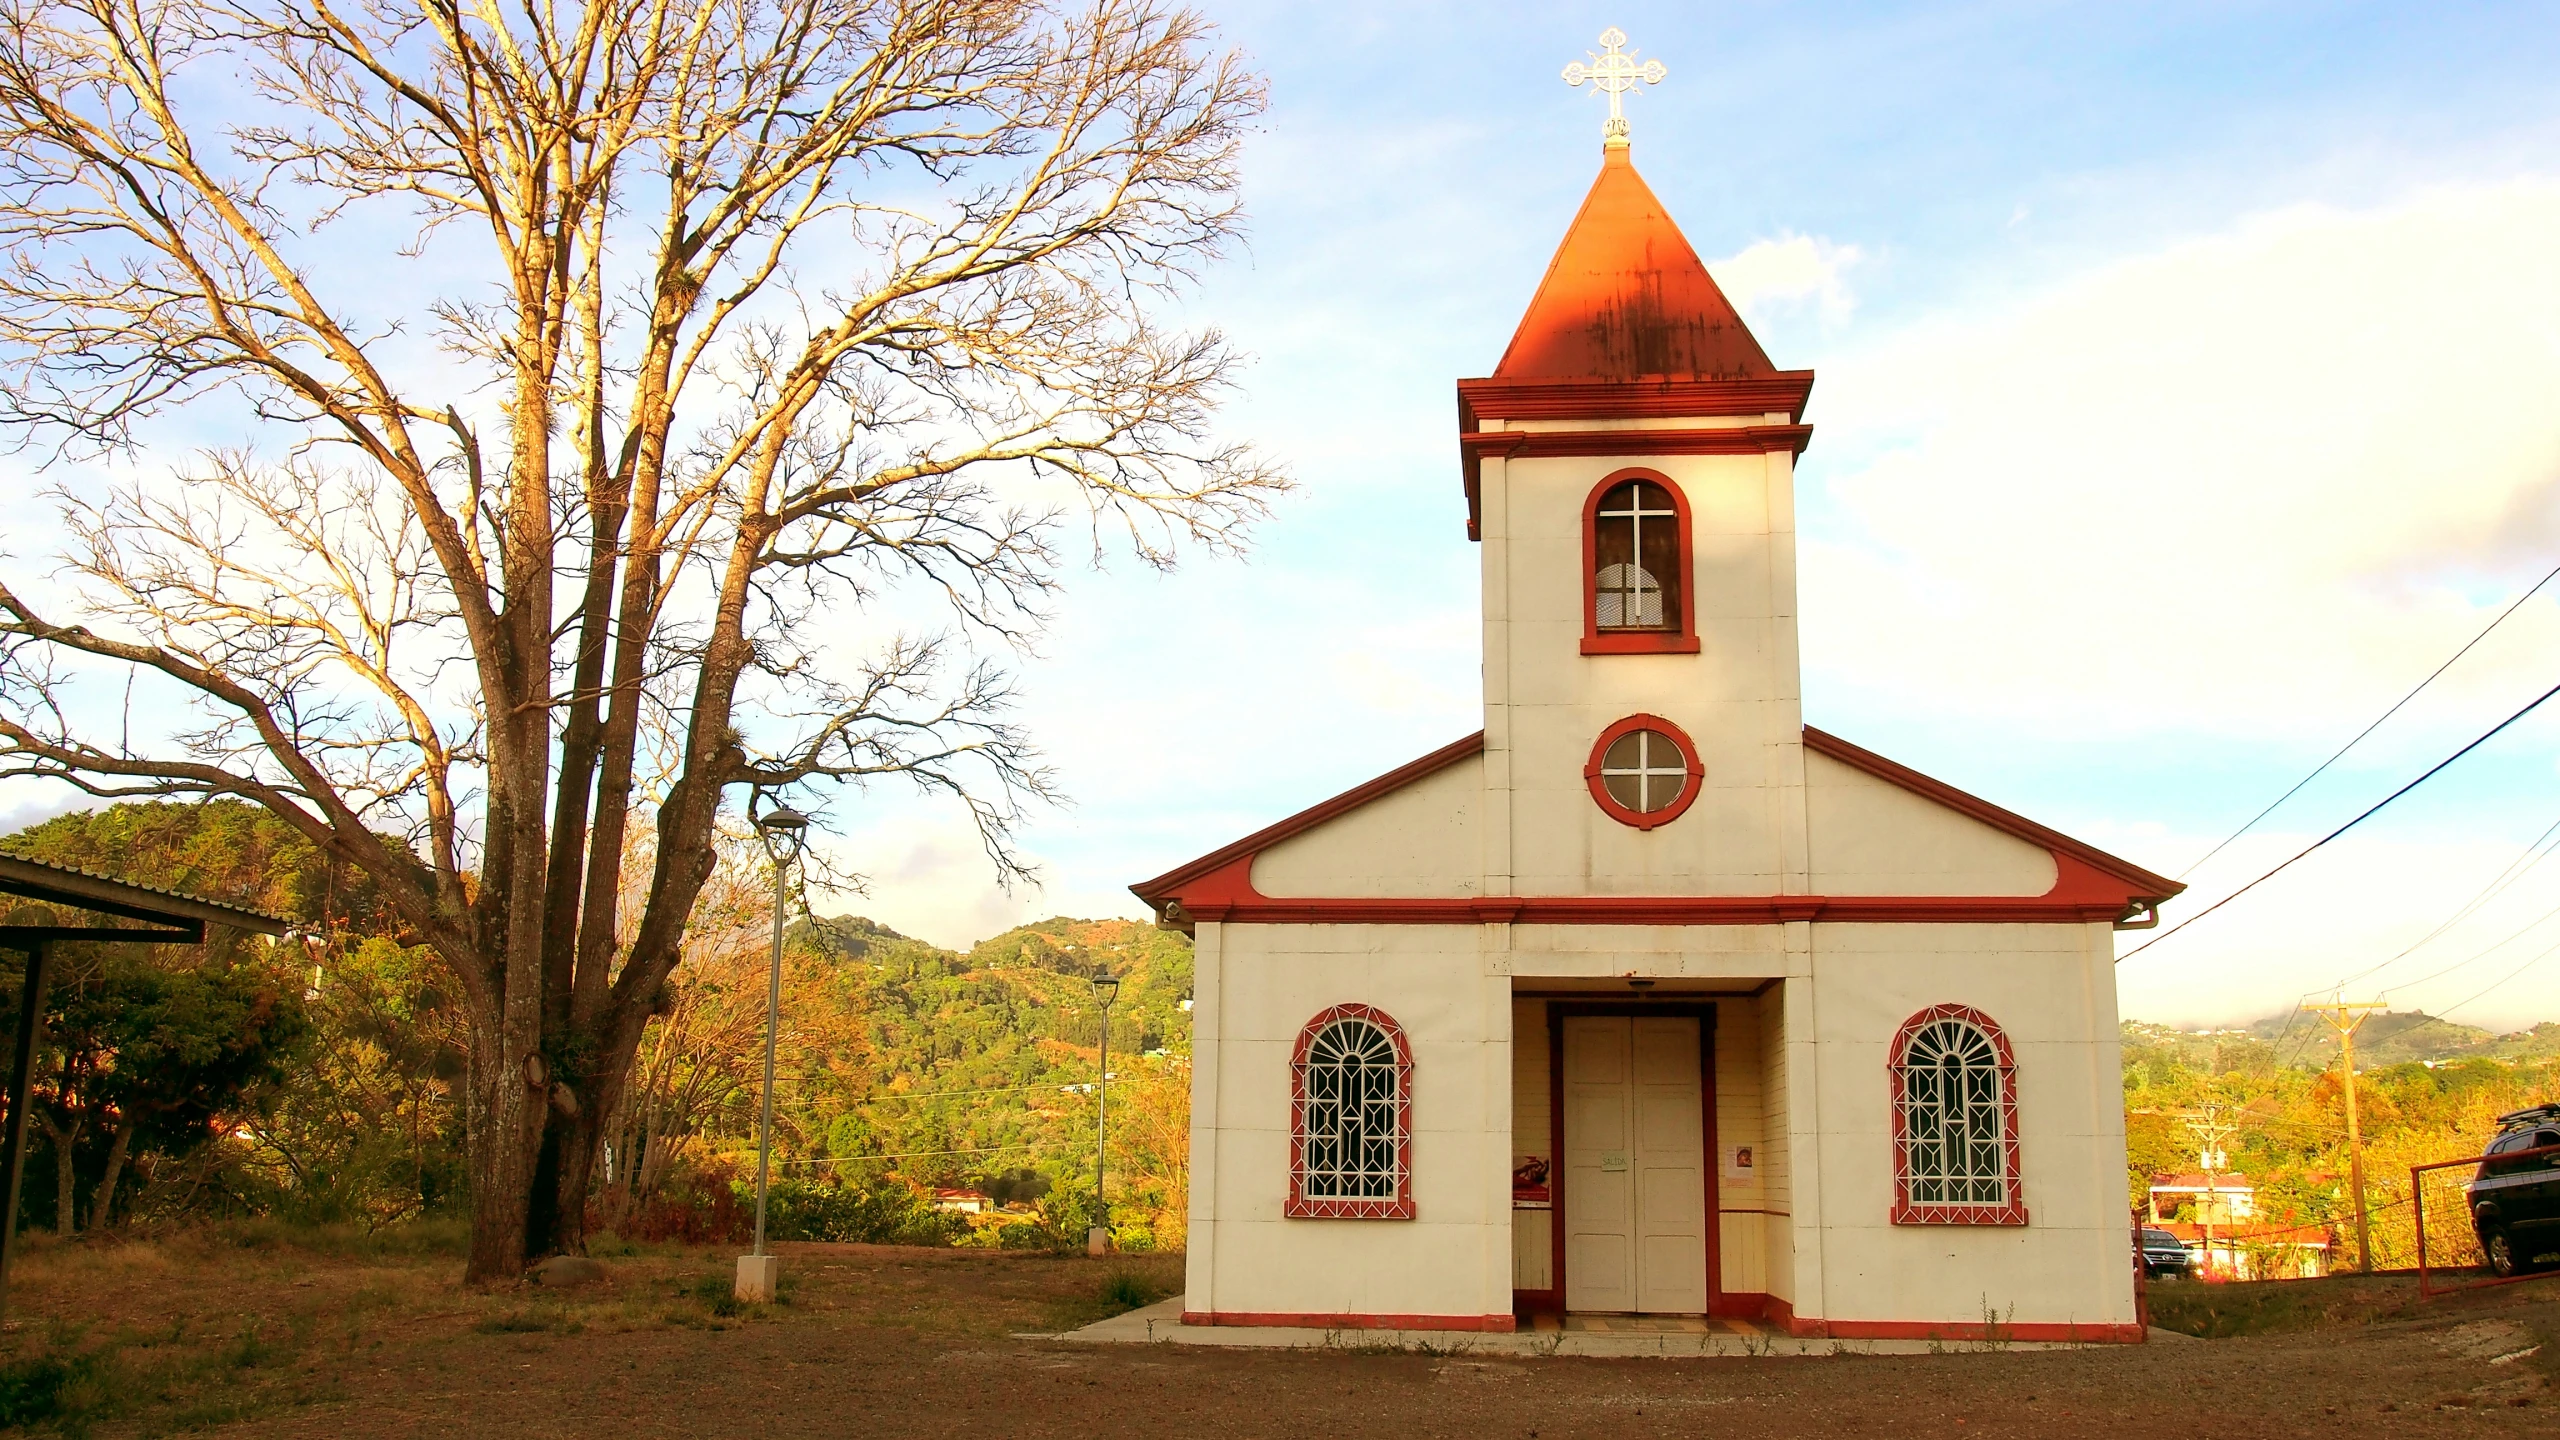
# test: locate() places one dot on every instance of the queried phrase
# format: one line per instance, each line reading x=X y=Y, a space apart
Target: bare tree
x=602 y=383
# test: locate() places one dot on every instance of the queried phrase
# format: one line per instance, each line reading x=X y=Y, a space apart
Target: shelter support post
x=22 y=1071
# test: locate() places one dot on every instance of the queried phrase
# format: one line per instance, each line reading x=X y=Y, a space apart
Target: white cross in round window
x=1644 y=772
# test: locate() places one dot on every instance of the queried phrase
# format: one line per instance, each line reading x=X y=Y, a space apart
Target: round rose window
x=1644 y=771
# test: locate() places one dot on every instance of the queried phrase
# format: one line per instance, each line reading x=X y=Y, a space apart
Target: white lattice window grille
x=1351 y=1136
x=1955 y=1121
x=1627 y=597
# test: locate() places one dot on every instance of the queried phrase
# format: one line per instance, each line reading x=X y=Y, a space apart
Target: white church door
x=1635 y=1192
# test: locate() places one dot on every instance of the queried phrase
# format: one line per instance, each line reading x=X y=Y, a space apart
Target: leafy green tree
x=145 y=1056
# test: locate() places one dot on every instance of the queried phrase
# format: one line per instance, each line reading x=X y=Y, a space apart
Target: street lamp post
x=1098 y=1238
x=759 y=1274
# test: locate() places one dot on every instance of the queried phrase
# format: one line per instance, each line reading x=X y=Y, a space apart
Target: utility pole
x=2346 y=1017
x=2210 y=1130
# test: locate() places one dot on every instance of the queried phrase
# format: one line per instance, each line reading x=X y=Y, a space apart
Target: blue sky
x=2182 y=377
x=2185 y=380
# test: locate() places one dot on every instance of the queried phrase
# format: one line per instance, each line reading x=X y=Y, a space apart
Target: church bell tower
x=1630 y=469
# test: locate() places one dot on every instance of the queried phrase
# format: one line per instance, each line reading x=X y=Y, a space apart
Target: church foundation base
x=1964 y=1331
x=1347 y=1321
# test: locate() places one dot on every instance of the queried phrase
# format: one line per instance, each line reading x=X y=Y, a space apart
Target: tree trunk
x=64 y=1139
x=597 y=1095
x=102 y=1205
x=500 y=1161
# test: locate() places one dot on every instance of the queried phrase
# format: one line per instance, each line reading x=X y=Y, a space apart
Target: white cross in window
x=1659 y=771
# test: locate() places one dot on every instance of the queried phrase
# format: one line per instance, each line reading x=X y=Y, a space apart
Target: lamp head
x=1106 y=989
x=782 y=818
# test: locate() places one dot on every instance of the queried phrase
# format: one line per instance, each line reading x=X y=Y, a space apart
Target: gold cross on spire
x=1614 y=70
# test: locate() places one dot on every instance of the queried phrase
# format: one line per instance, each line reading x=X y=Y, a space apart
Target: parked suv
x=2165 y=1256
x=2515 y=1194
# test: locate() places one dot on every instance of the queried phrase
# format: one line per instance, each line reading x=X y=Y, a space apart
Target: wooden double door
x=1634 y=1144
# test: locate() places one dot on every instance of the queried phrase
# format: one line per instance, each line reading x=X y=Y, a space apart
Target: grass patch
x=46 y=1388
x=431 y=1236
x=74 y=1383
x=2280 y=1307
x=1126 y=1290
x=1132 y=1283
x=531 y=1320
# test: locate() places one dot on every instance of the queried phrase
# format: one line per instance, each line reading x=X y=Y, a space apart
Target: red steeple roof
x=1626 y=298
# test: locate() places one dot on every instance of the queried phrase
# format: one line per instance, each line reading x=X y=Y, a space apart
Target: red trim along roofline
x=1493 y=398
x=1474 y=445
x=2089 y=884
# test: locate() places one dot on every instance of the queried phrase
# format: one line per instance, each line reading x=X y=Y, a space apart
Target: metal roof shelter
x=166 y=917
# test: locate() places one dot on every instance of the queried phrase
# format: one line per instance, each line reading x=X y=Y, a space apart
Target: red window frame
x=1331 y=1207
x=1645 y=819
x=1682 y=638
x=2013 y=1209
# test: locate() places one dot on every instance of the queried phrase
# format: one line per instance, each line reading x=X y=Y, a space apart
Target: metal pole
x=22 y=1070
x=1098 y=1239
x=772 y=1023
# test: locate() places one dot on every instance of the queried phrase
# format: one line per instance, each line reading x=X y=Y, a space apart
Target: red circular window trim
x=1645 y=819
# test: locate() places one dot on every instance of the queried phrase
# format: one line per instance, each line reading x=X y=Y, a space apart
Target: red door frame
x=1552 y=1301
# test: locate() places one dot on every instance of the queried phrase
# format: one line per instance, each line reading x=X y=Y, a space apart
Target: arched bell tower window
x=1636 y=567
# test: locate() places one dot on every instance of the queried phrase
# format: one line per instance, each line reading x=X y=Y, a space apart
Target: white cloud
x=1770 y=277
x=2271 y=473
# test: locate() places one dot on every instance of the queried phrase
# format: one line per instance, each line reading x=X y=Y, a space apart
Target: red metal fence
x=2464 y=1247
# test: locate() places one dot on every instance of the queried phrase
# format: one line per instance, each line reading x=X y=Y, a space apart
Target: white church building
x=1648 y=998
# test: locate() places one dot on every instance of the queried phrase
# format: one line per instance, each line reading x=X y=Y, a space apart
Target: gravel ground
x=899 y=1343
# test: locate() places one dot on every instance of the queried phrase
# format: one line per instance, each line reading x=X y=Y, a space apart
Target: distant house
x=2216 y=1218
x=964 y=1202
x=2225 y=1198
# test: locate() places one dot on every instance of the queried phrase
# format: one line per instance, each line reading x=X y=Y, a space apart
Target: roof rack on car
x=2532 y=1115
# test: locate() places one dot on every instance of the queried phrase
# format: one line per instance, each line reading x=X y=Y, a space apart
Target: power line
x=2507 y=877
x=2369 y=729
x=2370 y=811
x=2479 y=955
x=2501 y=980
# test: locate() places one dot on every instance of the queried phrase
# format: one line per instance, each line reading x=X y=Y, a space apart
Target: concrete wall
x=1532 y=1133
x=1546 y=702
x=1259 y=985
x=1870 y=837
x=1741 y=1199
x=1417 y=841
x=2051 y=988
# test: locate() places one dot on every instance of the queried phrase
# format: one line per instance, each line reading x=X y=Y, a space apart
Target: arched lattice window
x=1955 y=1121
x=1635 y=555
x=1351 y=1121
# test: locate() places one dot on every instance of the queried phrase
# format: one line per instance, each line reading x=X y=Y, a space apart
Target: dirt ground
x=253 y=1334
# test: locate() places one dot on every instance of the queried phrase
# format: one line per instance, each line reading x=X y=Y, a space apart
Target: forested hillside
x=2426 y=1091
x=901 y=1059
x=317 y=1079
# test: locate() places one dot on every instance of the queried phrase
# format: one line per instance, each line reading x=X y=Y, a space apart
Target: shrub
x=886 y=1212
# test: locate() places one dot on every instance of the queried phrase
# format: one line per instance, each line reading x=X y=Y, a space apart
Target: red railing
x=2418 y=1202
